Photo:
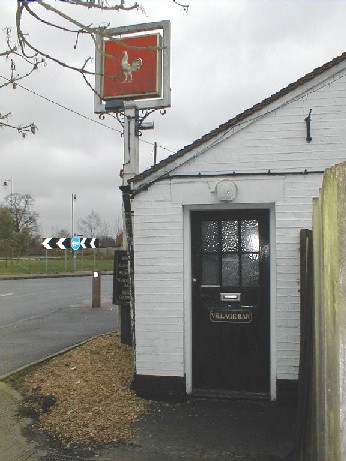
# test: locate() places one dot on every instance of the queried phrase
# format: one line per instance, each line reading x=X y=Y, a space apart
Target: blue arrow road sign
x=75 y=243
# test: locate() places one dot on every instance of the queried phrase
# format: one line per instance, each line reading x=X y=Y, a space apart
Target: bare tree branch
x=10 y=54
x=22 y=129
x=73 y=26
x=185 y=7
x=34 y=55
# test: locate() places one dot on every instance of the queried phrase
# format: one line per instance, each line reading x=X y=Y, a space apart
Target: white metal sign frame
x=157 y=103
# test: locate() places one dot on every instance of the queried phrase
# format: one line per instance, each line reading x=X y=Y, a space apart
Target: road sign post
x=75 y=245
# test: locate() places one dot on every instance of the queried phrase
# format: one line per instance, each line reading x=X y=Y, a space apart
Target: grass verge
x=54 y=265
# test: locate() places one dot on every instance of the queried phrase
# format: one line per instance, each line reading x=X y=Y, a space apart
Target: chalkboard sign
x=121 y=286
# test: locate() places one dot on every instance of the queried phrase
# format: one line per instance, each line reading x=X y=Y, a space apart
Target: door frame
x=188 y=285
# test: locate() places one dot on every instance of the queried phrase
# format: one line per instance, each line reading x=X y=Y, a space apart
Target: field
x=57 y=264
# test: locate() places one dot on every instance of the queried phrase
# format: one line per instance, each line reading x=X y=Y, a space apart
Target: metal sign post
x=130 y=169
x=131 y=145
x=74 y=197
x=132 y=73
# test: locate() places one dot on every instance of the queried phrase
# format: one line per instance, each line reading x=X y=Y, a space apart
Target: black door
x=231 y=312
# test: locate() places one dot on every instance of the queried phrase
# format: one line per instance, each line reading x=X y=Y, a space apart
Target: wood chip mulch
x=83 y=396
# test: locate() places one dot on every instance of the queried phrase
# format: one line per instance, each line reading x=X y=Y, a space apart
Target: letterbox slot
x=230 y=297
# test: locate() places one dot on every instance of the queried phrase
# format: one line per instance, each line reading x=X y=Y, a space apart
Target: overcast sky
x=226 y=56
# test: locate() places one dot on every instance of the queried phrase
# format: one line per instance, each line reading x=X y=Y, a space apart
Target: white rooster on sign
x=128 y=68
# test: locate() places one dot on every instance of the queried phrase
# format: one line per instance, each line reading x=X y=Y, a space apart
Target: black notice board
x=121 y=286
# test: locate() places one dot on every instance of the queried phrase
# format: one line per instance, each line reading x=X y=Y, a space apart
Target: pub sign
x=132 y=67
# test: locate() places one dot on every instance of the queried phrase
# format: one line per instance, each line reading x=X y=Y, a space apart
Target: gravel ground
x=83 y=396
x=81 y=404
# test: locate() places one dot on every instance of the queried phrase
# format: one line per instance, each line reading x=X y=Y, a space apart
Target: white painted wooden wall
x=275 y=141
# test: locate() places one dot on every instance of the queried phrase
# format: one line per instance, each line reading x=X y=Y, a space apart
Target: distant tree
x=107 y=241
x=6 y=231
x=61 y=233
x=92 y=225
x=22 y=219
x=118 y=232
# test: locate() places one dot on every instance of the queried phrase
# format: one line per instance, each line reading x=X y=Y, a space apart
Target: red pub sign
x=132 y=67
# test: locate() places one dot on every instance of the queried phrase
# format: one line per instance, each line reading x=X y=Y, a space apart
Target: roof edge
x=240 y=117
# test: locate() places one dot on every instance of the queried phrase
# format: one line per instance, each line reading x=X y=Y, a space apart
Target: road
x=39 y=317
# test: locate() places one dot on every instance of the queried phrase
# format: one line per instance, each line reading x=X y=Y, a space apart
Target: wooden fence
x=322 y=381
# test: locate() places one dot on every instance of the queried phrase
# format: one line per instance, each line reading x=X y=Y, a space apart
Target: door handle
x=230 y=297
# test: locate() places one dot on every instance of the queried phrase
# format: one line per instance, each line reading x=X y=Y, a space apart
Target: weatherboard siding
x=276 y=142
x=159 y=289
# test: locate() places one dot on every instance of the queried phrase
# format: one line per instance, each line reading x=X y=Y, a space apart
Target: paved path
x=197 y=430
x=13 y=446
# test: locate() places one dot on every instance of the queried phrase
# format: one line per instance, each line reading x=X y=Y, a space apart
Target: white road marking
x=6 y=294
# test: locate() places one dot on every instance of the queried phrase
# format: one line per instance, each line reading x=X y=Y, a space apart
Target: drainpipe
x=126 y=196
x=130 y=169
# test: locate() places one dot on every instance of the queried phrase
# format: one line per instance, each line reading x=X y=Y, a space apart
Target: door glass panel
x=230 y=270
x=210 y=269
x=250 y=270
x=229 y=235
x=249 y=235
x=210 y=236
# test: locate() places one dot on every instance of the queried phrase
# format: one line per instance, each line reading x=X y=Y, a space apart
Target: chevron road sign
x=89 y=243
x=66 y=243
x=92 y=243
x=49 y=243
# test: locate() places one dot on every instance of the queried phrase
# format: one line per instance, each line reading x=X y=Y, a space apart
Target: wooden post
x=96 y=289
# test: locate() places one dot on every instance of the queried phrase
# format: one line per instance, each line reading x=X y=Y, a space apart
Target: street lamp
x=74 y=198
x=5 y=183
